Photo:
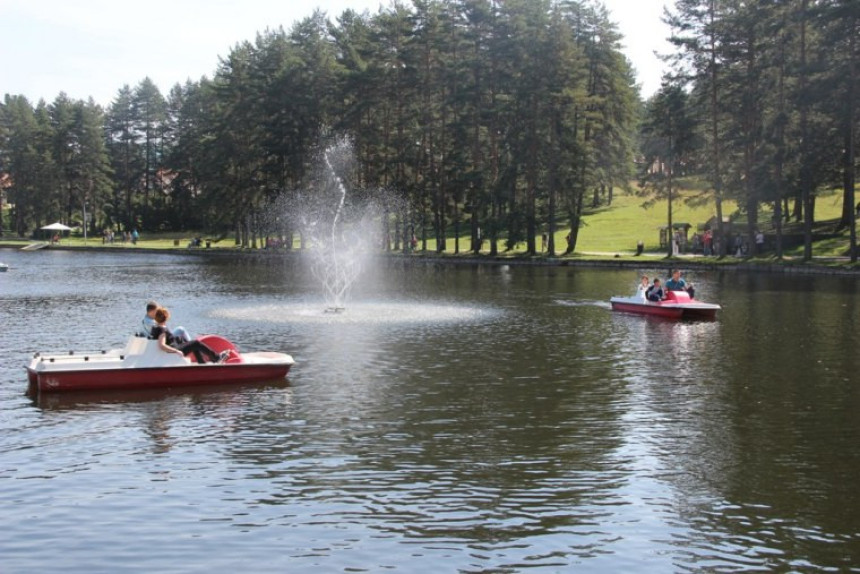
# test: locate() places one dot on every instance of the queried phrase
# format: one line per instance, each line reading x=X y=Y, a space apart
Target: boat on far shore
x=676 y=305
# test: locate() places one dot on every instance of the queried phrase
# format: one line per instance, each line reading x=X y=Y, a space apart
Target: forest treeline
x=492 y=120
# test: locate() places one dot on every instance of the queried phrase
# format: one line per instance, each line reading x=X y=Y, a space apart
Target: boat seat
x=135 y=346
x=678 y=297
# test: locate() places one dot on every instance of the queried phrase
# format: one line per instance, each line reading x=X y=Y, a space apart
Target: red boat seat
x=219 y=344
x=678 y=297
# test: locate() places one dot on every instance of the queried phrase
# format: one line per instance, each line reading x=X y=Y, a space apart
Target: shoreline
x=824 y=266
x=648 y=262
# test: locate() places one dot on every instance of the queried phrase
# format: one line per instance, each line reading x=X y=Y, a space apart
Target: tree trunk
x=850 y=152
x=670 y=231
x=553 y=181
x=780 y=142
x=456 y=230
x=805 y=177
x=532 y=181
x=575 y=220
x=715 y=131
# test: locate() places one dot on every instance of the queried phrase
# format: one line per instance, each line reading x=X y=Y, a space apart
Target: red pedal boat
x=141 y=364
x=677 y=304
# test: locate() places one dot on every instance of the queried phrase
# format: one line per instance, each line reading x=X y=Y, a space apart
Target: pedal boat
x=676 y=305
x=141 y=364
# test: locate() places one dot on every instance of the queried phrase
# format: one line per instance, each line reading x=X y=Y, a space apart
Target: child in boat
x=655 y=292
x=642 y=290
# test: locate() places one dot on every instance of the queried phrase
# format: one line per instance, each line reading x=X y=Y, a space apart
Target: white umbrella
x=57 y=227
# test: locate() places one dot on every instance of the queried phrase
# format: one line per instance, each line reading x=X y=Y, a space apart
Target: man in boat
x=675 y=283
x=148 y=321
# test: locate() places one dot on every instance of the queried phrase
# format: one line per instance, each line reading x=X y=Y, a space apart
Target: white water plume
x=340 y=232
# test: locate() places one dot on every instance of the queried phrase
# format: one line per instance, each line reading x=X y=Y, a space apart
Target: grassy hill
x=616 y=229
x=619 y=227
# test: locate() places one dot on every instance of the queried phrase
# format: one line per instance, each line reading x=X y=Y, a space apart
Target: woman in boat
x=169 y=344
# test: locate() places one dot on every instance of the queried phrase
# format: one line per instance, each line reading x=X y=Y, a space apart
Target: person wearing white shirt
x=148 y=321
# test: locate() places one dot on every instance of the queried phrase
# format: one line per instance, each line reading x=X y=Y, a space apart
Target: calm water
x=456 y=418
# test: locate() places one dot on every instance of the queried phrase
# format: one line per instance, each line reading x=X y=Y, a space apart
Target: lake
x=455 y=418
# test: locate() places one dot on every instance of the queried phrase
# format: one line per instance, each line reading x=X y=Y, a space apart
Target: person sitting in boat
x=675 y=283
x=655 y=292
x=148 y=321
x=642 y=290
x=169 y=344
x=180 y=333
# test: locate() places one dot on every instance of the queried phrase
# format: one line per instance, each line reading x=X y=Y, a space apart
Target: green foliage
x=775 y=85
x=490 y=123
x=496 y=116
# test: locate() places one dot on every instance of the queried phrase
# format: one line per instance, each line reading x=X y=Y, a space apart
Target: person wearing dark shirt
x=655 y=292
x=169 y=344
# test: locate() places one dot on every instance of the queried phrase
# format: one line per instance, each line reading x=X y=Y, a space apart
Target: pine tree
x=149 y=109
x=841 y=24
x=698 y=27
x=27 y=151
x=667 y=143
x=126 y=157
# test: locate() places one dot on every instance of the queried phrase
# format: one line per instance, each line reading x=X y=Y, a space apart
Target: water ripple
x=467 y=419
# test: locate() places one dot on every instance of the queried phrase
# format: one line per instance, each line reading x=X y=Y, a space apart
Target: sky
x=92 y=48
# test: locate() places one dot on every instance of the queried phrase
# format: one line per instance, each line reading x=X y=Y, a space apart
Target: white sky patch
x=95 y=47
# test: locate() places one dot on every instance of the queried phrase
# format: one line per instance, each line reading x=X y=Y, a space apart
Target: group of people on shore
x=110 y=236
x=657 y=291
x=176 y=340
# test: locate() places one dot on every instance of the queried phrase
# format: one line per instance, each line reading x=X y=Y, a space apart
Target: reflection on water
x=77 y=400
x=359 y=313
x=457 y=419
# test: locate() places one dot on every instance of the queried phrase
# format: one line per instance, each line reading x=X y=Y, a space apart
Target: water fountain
x=339 y=237
x=342 y=229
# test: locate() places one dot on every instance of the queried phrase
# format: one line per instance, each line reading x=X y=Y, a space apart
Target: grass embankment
x=165 y=241
x=608 y=231
x=613 y=231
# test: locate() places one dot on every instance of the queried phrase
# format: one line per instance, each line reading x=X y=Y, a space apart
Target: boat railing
x=75 y=356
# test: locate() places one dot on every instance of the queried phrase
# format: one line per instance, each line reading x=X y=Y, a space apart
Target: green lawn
x=607 y=230
x=619 y=227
